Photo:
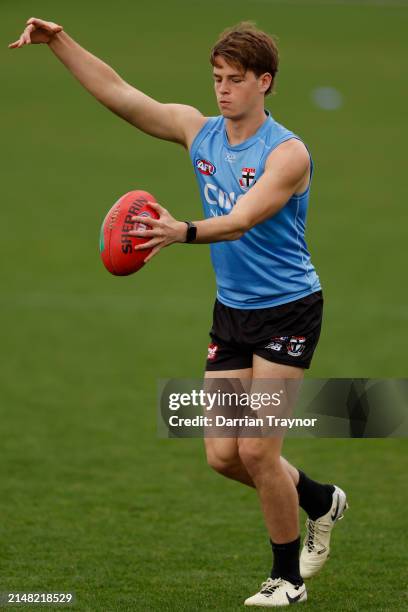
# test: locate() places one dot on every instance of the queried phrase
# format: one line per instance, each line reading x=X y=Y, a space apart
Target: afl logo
x=142 y=226
x=205 y=167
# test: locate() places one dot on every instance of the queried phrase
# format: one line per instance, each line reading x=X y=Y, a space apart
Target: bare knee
x=258 y=456
x=223 y=463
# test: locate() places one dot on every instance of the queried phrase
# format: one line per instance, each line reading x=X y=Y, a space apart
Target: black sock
x=315 y=498
x=286 y=561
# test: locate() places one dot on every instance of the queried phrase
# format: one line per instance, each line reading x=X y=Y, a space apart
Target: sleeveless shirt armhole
x=285 y=138
x=201 y=135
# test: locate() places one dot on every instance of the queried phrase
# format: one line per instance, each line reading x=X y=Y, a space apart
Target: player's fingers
x=157 y=207
x=148 y=245
x=47 y=25
x=37 y=22
x=146 y=221
x=143 y=233
x=152 y=254
x=27 y=34
x=19 y=41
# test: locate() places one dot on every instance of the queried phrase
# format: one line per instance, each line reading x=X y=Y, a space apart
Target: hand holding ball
x=116 y=246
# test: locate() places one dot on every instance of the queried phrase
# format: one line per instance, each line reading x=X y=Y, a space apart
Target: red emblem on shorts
x=212 y=352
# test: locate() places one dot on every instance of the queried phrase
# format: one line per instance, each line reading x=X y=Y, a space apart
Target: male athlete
x=254 y=178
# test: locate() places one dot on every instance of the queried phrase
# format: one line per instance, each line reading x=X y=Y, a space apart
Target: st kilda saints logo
x=296 y=346
x=247 y=178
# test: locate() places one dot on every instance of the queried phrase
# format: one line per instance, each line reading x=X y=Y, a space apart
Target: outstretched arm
x=175 y=122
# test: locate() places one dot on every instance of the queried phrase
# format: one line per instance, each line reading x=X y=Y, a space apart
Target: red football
x=115 y=244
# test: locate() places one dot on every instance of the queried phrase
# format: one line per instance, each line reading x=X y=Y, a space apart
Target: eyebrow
x=238 y=74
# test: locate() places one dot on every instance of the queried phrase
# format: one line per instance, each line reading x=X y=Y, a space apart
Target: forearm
x=145 y=113
x=218 y=229
x=96 y=76
x=166 y=230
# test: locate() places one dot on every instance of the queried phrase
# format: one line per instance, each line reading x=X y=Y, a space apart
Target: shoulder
x=292 y=155
x=200 y=130
x=190 y=120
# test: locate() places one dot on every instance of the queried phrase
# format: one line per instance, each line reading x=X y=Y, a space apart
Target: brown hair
x=247 y=47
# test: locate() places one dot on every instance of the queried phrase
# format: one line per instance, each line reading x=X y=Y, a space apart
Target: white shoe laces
x=270 y=585
x=314 y=529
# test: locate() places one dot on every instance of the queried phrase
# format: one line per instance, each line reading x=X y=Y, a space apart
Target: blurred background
x=91 y=499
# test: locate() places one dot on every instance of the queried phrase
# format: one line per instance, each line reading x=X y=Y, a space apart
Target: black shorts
x=286 y=334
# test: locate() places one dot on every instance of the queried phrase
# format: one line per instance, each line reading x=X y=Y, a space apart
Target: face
x=238 y=93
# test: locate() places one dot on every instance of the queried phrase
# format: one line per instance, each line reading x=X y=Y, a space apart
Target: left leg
x=324 y=504
x=281 y=488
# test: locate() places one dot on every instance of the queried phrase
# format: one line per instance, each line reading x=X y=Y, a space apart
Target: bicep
x=174 y=122
x=284 y=171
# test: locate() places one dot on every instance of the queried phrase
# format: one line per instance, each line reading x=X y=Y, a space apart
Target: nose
x=223 y=87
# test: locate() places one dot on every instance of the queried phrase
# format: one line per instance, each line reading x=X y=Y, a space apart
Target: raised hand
x=37 y=31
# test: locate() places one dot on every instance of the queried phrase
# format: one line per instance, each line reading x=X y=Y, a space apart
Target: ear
x=265 y=81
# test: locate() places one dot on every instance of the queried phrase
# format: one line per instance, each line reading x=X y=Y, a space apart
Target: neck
x=239 y=130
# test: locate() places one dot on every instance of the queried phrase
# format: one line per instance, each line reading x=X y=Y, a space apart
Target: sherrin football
x=115 y=245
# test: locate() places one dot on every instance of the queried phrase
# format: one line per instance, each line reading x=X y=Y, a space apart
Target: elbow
x=237 y=234
x=240 y=226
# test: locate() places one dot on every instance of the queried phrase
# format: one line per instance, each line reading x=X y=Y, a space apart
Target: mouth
x=224 y=102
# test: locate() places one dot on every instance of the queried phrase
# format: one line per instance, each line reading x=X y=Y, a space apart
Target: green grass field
x=90 y=499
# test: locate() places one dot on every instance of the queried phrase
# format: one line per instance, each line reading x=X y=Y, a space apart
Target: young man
x=254 y=176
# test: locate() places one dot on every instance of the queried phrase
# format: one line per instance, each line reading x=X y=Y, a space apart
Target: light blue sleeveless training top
x=270 y=264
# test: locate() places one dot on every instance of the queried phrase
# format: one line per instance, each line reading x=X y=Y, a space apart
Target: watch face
x=191 y=233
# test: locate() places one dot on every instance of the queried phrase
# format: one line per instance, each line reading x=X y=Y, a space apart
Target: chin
x=229 y=113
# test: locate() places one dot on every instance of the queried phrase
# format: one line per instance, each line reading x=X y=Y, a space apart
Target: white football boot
x=316 y=545
x=277 y=592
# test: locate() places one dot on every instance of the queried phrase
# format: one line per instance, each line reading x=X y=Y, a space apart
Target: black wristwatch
x=191 y=231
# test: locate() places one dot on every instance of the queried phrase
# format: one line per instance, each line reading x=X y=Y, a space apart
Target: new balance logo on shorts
x=277 y=343
x=292 y=345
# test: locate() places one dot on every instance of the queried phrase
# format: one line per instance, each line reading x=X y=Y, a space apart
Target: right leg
x=222 y=453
